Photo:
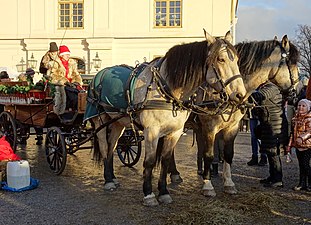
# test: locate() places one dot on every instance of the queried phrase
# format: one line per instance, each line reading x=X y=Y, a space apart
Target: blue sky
x=263 y=19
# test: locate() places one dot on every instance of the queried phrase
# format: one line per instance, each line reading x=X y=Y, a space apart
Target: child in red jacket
x=301 y=140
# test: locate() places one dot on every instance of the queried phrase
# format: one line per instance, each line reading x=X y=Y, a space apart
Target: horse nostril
x=239 y=96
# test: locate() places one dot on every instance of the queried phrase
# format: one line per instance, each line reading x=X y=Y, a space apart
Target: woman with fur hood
x=63 y=73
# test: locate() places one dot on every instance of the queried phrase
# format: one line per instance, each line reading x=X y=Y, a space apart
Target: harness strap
x=157 y=104
x=165 y=90
x=232 y=79
x=108 y=123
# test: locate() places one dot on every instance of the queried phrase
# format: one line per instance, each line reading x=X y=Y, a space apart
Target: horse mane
x=294 y=54
x=253 y=54
x=187 y=63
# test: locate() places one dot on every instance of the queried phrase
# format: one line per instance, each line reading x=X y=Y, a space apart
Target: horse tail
x=159 y=150
x=97 y=156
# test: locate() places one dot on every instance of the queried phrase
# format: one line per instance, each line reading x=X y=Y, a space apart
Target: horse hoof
x=166 y=199
x=176 y=179
x=230 y=190
x=110 y=186
x=208 y=193
x=116 y=182
x=150 y=200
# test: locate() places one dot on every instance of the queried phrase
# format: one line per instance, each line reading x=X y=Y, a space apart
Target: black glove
x=258 y=97
x=76 y=84
x=67 y=84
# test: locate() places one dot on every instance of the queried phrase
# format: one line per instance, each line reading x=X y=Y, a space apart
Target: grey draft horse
x=160 y=105
x=258 y=62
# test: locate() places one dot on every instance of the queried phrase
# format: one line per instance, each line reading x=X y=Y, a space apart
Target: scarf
x=65 y=64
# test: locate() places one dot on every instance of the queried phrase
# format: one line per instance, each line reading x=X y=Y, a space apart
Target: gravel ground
x=77 y=196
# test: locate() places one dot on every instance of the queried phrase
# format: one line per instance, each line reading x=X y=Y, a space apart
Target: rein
x=215 y=107
x=211 y=107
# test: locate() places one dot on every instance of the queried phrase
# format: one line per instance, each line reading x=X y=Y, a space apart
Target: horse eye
x=221 y=60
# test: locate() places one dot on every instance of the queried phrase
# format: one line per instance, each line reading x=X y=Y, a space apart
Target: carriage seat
x=68 y=117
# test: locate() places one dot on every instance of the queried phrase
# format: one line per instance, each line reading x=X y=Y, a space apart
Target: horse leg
x=229 y=137
x=169 y=142
x=111 y=183
x=172 y=169
x=208 y=156
x=151 y=141
x=101 y=150
x=200 y=145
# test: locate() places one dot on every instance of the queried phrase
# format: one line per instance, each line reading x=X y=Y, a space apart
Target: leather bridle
x=284 y=60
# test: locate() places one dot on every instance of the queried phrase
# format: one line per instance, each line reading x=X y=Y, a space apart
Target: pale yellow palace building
x=118 y=31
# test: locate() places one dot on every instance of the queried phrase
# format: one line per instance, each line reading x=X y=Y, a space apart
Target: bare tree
x=303 y=42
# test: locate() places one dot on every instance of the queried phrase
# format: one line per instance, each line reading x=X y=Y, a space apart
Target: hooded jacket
x=270 y=113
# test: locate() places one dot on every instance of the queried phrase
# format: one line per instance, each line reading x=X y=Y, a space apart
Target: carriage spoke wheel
x=8 y=129
x=128 y=149
x=55 y=150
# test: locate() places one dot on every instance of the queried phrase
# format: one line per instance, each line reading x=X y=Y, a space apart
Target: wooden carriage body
x=34 y=106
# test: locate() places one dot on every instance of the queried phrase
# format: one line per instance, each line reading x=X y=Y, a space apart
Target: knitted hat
x=307 y=102
x=30 y=71
x=63 y=50
x=4 y=75
x=53 y=47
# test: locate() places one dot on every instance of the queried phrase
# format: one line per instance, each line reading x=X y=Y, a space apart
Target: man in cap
x=49 y=56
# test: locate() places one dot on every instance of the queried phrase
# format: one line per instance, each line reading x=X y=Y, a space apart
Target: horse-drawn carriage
x=26 y=109
x=158 y=100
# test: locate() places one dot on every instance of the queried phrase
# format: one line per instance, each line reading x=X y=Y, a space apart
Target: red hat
x=63 y=50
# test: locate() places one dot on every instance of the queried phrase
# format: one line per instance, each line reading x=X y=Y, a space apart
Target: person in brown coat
x=301 y=140
x=63 y=73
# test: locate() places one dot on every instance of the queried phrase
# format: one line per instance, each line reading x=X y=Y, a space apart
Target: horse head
x=285 y=72
x=223 y=73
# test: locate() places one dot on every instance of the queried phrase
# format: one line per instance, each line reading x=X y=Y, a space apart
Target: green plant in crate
x=3 y=89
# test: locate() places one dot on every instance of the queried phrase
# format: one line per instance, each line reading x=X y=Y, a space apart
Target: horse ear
x=209 y=38
x=285 y=43
x=228 y=37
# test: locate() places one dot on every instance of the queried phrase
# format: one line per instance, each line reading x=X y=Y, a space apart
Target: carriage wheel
x=8 y=129
x=128 y=149
x=55 y=150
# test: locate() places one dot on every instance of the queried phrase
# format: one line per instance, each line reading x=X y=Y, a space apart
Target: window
x=70 y=14
x=167 y=13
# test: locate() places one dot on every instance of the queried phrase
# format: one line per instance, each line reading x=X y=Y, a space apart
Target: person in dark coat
x=273 y=130
x=4 y=75
x=48 y=56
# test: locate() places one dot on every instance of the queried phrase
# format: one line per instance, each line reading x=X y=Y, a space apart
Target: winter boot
x=302 y=184
x=253 y=161
x=263 y=160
